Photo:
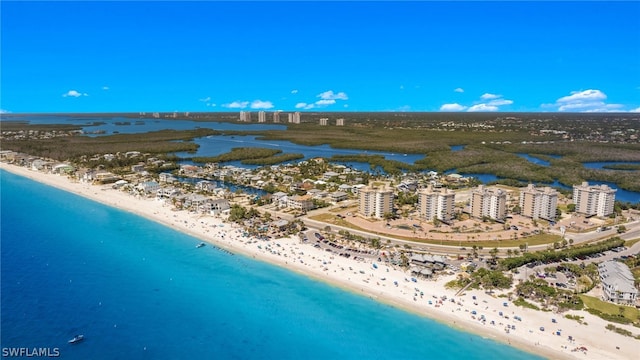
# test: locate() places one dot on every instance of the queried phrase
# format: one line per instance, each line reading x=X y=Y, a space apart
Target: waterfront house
x=168 y=192
x=279 y=225
x=215 y=206
x=194 y=201
x=206 y=185
x=617 y=283
x=63 y=169
x=148 y=187
x=167 y=177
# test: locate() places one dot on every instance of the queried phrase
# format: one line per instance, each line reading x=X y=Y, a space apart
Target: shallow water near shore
x=137 y=289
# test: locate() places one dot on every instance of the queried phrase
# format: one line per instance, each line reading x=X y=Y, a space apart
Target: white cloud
x=237 y=105
x=591 y=100
x=329 y=95
x=207 y=99
x=482 y=107
x=294 y=91
x=105 y=88
x=459 y=90
x=635 y=110
x=487 y=96
x=3 y=111
x=259 y=104
x=74 y=93
x=325 y=102
x=301 y=105
x=500 y=102
x=582 y=96
x=211 y=104
x=452 y=107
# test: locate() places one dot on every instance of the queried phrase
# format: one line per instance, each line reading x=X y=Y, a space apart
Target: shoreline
x=423 y=298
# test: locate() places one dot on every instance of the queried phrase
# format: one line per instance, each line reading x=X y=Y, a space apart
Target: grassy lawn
x=630 y=243
x=630 y=313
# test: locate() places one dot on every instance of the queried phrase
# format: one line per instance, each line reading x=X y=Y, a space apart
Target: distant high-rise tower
x=245 y=116
x=340 y=122
x=594 y=200
x=323 y=121
x=296 y=117
x=491 y=203
x=262 y=116
x=276 y=117
x=538 y=203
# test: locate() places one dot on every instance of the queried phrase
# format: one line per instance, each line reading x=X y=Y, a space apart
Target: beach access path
x=473 y=311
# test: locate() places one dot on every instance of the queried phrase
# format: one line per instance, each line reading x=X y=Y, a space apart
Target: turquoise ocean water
x=139 y=290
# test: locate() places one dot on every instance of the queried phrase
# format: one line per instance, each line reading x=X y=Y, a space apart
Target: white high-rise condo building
x=436 y=204
x=262 y=116
x=276 y=117
x=375 y=201
x=538 y=203
x=491 y=203
x=340 y=122
x=245 y=116
x=593 y=200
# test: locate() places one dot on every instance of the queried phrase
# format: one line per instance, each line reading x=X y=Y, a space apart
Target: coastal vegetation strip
x=610 y=311
x=273 y=160
x=552 y=255
x=74 y=147
x=238 y=154
x=251 y=156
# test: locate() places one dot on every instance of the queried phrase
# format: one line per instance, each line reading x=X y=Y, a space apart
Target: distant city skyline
x=319 y=56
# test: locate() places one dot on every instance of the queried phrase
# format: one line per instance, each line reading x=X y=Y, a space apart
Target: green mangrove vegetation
x=251 y=156
x=74 y=147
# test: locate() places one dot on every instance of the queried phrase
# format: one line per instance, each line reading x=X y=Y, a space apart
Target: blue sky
x=319 y=56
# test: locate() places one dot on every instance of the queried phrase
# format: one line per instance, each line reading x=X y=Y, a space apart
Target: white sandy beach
x=424 y=297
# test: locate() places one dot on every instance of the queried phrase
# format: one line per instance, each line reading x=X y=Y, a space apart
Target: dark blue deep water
x=139 y=290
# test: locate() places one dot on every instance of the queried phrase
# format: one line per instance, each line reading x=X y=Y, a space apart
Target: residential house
x=301 y=202
x=167 y=178
x=338 y=196
x=617 y=283
x=148 y=187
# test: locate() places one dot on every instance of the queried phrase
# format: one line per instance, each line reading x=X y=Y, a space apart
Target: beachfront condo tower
x=538 y=203
x=375 y=201
x=593 y=200
x=488 y=202
x=436 y=204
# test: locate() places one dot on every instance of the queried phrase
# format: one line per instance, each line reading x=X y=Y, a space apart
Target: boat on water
x=200 y=245
x=76 y=339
